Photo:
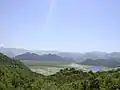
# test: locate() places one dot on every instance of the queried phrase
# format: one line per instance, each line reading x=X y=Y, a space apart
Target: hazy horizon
x=61 y=25
x=37 y=50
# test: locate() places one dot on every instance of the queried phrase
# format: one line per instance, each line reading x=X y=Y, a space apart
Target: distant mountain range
x=111 y=62
x=12 y=52
x=34 y=56
x=88 y=58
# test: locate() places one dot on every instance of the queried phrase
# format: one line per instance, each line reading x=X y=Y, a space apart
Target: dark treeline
x=14 y=75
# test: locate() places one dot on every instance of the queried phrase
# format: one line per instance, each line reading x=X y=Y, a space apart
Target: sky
x=61 y=25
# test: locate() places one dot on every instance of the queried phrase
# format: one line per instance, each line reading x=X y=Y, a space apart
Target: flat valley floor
x=48 y=68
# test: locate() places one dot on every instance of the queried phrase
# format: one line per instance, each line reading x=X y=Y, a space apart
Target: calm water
x=96 y=69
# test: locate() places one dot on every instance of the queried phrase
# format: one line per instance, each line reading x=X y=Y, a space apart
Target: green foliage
x=14 y=75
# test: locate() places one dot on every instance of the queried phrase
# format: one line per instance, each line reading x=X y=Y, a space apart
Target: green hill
x=14 y=74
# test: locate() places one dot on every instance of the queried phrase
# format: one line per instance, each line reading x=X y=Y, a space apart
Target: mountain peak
x=34 y=56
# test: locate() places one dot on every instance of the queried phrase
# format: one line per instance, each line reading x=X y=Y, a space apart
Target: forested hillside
x=14 y=75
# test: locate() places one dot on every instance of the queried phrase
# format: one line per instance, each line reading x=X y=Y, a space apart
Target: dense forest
x=14 y=75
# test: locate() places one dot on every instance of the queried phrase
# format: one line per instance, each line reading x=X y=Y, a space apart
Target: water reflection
x=96 y=69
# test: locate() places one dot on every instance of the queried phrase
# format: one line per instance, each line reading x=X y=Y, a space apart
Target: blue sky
x=62 y=25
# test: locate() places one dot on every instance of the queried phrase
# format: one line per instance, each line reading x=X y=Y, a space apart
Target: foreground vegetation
x=14 y=75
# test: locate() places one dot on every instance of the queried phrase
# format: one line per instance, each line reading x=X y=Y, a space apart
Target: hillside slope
x=14 y=74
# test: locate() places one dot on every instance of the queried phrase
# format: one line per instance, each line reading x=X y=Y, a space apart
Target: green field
x=44 y=67
x=48 y=68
